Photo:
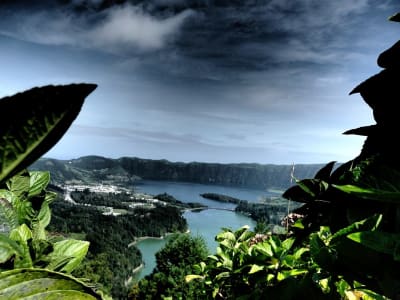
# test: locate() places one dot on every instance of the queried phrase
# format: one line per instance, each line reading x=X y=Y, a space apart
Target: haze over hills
x=126 y=170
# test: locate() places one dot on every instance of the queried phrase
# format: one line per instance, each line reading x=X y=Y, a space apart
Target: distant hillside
x=128 y=169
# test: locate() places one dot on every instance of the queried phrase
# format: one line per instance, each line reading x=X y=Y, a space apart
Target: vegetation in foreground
x=32 y=264
x=343 y=243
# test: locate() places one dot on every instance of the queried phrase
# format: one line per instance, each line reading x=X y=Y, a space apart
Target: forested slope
x=128 y=169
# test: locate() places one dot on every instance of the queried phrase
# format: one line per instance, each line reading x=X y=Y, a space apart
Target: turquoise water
x=207 y=223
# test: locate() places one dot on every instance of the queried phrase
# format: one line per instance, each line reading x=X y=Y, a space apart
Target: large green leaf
x=33 y=121
x=370 y=194
x=43 y=284
x=68 y=254
x=384 y=242
x=38 y=182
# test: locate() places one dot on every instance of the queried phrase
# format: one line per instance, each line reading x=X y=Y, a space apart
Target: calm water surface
x=207 y=223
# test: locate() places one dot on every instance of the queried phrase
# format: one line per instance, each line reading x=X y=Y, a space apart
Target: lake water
x=207 y=223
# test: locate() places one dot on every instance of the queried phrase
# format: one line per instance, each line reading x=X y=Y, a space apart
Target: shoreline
x=142 y=238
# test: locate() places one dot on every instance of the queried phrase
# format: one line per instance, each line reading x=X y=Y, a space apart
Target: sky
x=261 y=81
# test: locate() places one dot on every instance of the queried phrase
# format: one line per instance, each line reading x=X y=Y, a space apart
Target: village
x=138 y=199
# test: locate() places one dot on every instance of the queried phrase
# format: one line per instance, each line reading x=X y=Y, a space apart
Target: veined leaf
x=72 y=250
x=264 y=248
x=43 y=284
x=9 y=196
x=38 y=182
x=8 y=248
x=39 y=118
x=44 y=215
x=19 y=184
x=21 y=234
x=50 y=196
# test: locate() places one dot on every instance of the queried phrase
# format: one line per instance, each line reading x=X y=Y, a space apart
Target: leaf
x=369 y=224
x=340 y=171
x=38 y=182
x=21 y=234
x=8 y=214
x=19 y=185
x=34 y=121
x=264 y=248
x=44 y=215
x=288 y=243
x=242 y=232
x=256 y=268
x=296 y=193
x=320 y=253
x=50 y=196
x=325 y=172
x=395 y=18
x=43 y=284
x=8 y=248
x=370 y=194
x=189 y=278
x=299 y=252
x=222 y=275
x=290 y=273
x=68 y=254
x=226 y=235
x=306 y=190
x=379 y=241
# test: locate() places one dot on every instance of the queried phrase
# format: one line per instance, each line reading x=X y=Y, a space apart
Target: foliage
x=34 y=121
x=42 y=284
x=344 y=242
x=27 y=206
x=174 y=262
x=110 y=261
x=249 y=265
x=38 y=123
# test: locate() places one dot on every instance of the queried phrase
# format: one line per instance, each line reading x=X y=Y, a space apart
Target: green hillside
x=126 y=170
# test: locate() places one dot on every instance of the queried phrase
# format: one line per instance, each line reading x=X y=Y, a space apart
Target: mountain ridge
x=127 y=170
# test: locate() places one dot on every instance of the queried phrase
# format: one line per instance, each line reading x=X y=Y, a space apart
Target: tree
x=174 y=262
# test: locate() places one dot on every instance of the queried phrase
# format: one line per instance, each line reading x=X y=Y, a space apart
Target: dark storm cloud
x=210 y=37
x=123 y=29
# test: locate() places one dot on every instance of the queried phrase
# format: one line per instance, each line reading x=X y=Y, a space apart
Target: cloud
x=119 y=29
x=129 y=26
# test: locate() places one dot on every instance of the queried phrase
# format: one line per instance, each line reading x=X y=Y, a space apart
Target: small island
x=221 y=198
